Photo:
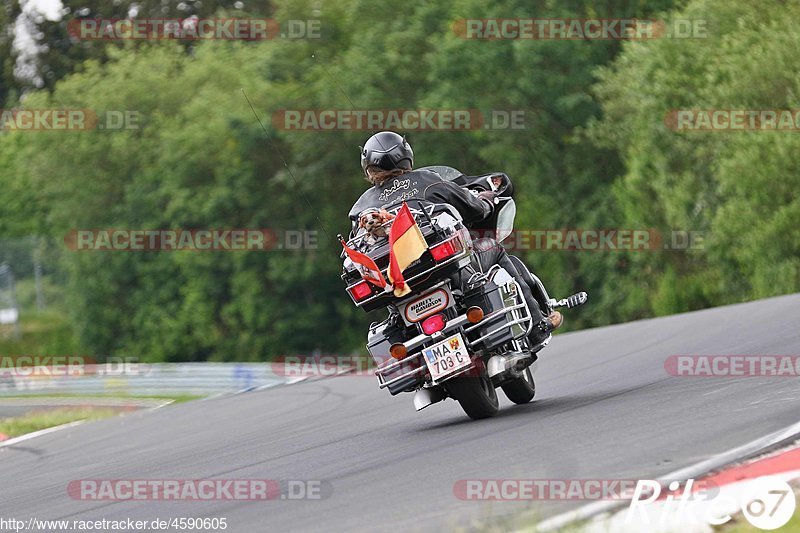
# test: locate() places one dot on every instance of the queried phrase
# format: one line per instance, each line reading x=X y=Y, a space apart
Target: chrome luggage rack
x=443 y=234
x=423 y=212
x=520 y=314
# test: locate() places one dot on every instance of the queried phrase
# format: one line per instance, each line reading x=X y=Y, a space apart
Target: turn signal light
x=445 y=250
x=398 y=351
x=432 y=324
x=360 y=290
x=474 y=314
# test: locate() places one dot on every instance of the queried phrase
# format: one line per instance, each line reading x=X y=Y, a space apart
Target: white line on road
x=28 y=436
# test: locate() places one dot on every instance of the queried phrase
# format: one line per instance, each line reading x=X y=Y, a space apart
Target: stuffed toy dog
x=373 y=221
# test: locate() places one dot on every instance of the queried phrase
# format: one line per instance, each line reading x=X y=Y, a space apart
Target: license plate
x=447 y=357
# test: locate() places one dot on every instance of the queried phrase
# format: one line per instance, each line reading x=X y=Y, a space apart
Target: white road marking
x=28 y=436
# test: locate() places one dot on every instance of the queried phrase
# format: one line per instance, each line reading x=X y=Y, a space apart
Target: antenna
x=341 y=89
x=285 y=164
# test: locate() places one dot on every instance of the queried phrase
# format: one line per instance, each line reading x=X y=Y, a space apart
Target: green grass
x=743 y=526
x=28 y=423
x=740 y=525
x=46 y=332
x=175 y=398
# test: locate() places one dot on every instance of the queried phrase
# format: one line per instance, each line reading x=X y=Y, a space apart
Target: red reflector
x=432 y=324
x=445 y=250
x=360 y=290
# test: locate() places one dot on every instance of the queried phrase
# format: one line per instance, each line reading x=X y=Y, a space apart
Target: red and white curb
x=600 y=512
x=742 y=488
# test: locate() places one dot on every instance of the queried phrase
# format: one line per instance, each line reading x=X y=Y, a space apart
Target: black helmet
x=387 y=150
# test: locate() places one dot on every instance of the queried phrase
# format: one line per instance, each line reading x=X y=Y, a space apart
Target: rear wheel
x=522 y=389
x=475 y=394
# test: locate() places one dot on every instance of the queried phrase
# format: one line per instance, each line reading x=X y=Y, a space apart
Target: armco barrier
x=142 y=379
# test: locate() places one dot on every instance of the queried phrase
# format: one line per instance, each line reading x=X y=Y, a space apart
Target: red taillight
x=432 y=324
x=445 y=250
x=360 y=290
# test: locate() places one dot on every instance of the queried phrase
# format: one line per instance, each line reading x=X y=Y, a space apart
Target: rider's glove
x=489 y=196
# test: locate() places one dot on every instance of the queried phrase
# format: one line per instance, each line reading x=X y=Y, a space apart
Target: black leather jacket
x=423 y=185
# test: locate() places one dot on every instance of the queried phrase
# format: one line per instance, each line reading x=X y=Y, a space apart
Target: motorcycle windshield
x=505 y=220
x=447 y=173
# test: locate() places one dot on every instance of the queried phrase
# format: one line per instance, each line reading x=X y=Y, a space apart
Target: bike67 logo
x=767 y=502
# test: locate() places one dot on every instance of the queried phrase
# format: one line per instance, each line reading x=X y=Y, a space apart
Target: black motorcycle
x=462 y=331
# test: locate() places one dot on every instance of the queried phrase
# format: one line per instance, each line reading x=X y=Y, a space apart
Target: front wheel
x=475 y=394
x=521 y=390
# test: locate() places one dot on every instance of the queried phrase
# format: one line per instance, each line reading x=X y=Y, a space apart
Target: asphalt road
x=605 y=409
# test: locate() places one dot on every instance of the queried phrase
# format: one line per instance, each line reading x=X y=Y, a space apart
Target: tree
x=733 y=187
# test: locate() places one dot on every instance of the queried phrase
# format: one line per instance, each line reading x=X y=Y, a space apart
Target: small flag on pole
x=406 y=245
x=368 y=268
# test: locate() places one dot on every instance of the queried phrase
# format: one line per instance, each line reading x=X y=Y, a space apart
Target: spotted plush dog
x=373 y=221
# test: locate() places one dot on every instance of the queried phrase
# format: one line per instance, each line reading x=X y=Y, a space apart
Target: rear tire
x=522 y=389
x=475 y=394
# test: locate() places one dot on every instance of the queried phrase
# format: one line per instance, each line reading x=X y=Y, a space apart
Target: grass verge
x=30 y=422
x=175 y=398
x=740 y=525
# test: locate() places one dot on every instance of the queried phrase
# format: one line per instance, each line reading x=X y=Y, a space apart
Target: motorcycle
x=462 y=332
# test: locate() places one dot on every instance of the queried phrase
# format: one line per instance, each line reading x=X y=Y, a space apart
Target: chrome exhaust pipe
x=428 y=396
x=500 y=364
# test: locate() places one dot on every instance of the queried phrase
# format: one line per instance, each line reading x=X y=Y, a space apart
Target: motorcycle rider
x=387 y=161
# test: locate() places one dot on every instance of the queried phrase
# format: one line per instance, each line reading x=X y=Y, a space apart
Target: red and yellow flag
x=367 y=267
x=406 y=245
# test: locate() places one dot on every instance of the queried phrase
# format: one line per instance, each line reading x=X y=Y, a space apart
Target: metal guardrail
x=143 y=379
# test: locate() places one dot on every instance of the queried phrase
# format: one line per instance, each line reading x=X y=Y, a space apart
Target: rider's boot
x=545 y=319
x=553 y=319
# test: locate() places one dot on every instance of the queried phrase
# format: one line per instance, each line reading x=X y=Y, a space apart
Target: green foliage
x=595 y=153
x=738 y=188
x=44 y=333
x=59 y=52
